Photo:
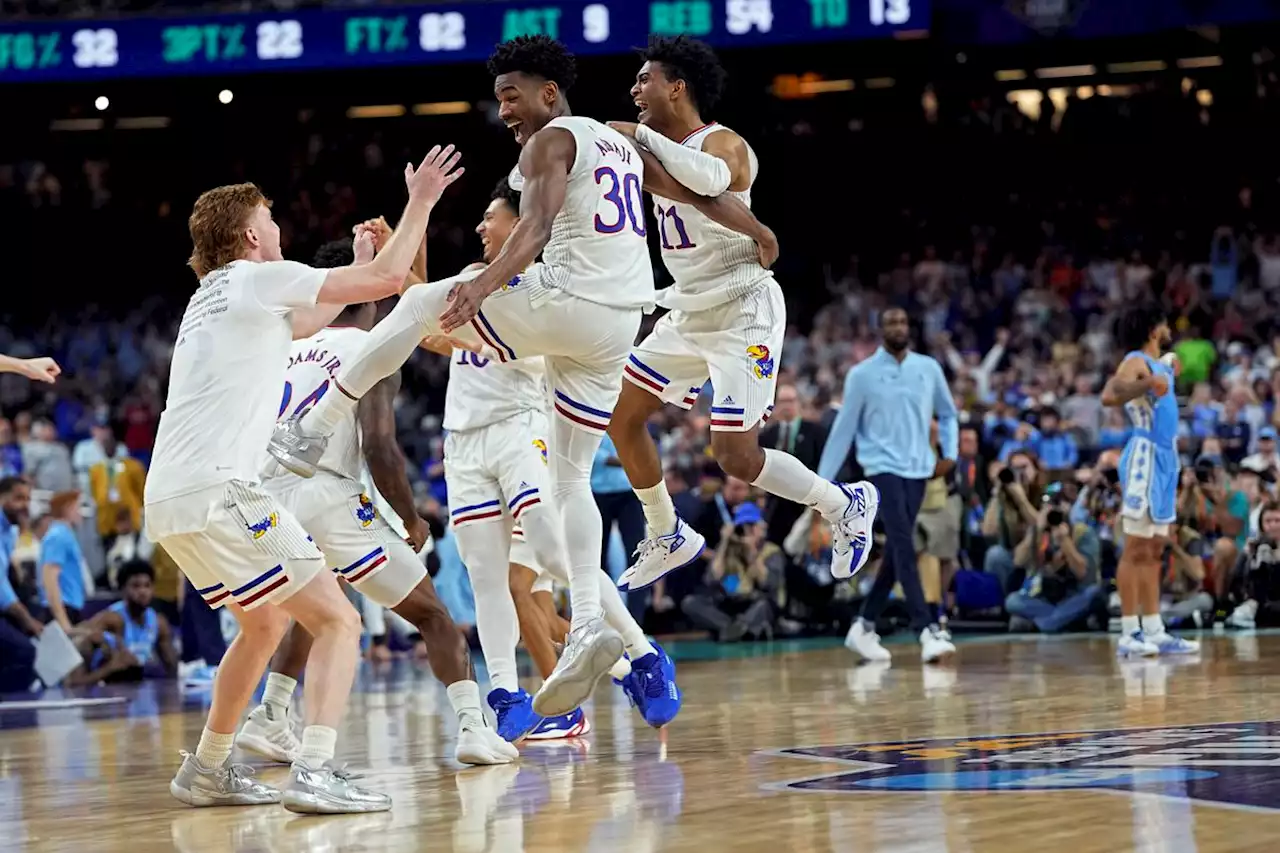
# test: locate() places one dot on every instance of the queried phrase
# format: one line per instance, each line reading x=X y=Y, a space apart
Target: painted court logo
x=763 y=367
x=1233 y=765
x=260 y=528
x=366 y=512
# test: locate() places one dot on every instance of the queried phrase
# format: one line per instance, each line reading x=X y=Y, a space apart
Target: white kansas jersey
x=598 y=250
x=711 y=264
x=483 y=392
x=313 y=364
x=225 y=377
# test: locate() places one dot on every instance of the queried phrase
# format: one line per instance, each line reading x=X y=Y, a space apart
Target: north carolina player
x=496 y=457
x=727 y=321
x=1143 y=385
x=581 y=210
x=358 y=543
x=204 y=502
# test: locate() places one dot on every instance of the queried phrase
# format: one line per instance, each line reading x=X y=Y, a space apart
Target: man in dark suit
x=803 y=439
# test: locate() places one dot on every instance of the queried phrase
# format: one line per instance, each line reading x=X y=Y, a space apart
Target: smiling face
x=655 y=95
x=496 y=226
x=263 y=235
x=525 y=103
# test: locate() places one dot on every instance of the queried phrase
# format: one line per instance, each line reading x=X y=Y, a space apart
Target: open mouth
x=643 y=107
x=514 y=127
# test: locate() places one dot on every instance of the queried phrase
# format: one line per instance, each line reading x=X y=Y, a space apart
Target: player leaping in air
x=581 y=209
x=727 y=322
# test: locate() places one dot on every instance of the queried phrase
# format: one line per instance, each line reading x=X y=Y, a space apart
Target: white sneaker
x=481 y=745
x=1136 y=645
x=1244 y=616
x=658 y=556
x=865 y=642
x=1169 y=644
x=851 y=529
x=271 y=738
x=935 y=644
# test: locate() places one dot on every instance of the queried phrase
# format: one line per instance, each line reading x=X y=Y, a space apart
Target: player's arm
x=382 y=453
x=724 y=209
x=722 y=164
x=36 y=369
x=944 y=408
x=164 y=646
x=1132 y=379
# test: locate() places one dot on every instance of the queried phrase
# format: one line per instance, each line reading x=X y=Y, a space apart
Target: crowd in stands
x=1016 y=292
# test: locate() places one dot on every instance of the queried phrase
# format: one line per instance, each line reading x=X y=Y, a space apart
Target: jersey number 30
x=620 y=193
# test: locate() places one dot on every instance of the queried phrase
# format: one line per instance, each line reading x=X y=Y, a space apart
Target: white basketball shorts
x=358 y=544
x=235 y=542
x=736 y=345
x=497 y=471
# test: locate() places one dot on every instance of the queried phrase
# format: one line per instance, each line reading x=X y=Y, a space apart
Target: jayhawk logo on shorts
x=763 y=367
x=366 y=512
x=260 y=529
x=514 y=283
x=542 y=448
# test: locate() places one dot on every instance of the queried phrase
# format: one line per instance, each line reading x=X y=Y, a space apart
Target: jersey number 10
x=307 y=401
x=620 y=193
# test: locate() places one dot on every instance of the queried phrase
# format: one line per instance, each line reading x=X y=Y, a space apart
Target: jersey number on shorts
x=620 y=193
x=670 y=213
x=466 y=357
x=307 y=402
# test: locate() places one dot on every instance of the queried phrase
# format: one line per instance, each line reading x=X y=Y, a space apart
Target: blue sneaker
x=651 y=687
x=515 y=713
x=1168 y=644
x=573 y=724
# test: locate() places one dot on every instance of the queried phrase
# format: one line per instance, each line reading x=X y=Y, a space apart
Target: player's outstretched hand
x=767 y=244
x=363 y=246
x=378 y=229
x=434 y=174
x=38 y=369
x=464 y=304
x=626 y=128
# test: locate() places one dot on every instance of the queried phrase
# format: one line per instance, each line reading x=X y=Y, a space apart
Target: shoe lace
x=651 y=679
x=645 y=548
x=239 y=776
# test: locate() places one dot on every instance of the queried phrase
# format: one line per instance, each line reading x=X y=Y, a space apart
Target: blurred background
x=1012 y=172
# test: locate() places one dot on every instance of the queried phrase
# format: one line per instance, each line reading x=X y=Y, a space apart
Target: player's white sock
x=318 y=745
x=785 y=476
x=386 y=349
x=465 y=698
x=621 y=620
x=214 y=747
x=575 y=450
x=485 y=548
x=1128 y=625
x=659 y=511
x=621 y=669
x=278 y=695
x=1152 y=625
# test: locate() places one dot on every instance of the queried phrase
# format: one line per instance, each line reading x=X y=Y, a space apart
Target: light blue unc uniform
x=1149 y=466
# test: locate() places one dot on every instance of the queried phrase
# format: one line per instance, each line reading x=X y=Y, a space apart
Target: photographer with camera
x=1010 y=513
x=1255 y=580
x=1061 y=561
x=746 y=573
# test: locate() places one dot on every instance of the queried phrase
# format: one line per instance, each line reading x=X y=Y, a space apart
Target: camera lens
x=1056 y=517
x=1006 y=475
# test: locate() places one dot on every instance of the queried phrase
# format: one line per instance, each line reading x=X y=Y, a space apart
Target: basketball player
x=359 y=545
x=727 y=321
x=1143 y=385
x=495 y=456
x=36 y=369
x=580 y=307
x=206 y=507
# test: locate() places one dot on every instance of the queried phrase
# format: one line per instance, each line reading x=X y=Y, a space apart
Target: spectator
x=1083 y=410
x=618 y=505
x=1255 y=579
x=46 y=461
x=62 y=586
x=127 y=545
x=17 y=655
x=1061 y=561
x=804 y=439
x=1266 y=458
x=937 y=535
x=1010 y=513
x=10 y=453
x=115 y=484
x=1183 y=594
x=130 y=637
x=1056 y=449
x=92 y=450
x=746 y=573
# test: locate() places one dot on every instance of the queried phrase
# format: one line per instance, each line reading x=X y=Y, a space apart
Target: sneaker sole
x=262 y=747
x=565 y=694
x=293 y=465
x=198 y=800
x=629 y=587
x=1128 y=654
x=309 y=803
x=578 y=730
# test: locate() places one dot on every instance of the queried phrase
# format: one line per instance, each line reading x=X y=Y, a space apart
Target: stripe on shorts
x=583 y=415
x=643 y=374
x=363 y=566
x=499 y=343
x=258 y=588
x=476 y=512
x=726 y=416
x=213 y=594
x=523 y=501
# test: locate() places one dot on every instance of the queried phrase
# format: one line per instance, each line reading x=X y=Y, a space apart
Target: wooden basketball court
x=1050 y=745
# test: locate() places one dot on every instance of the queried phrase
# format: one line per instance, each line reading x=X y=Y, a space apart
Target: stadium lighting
x=442 y=108
x=102 y=102
x=225 y=96
x=377 y=111
x=1056 y=71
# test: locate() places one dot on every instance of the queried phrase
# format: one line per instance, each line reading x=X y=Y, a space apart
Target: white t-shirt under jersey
x=598 y=250
x=483 y=392
x=313 y=364
x=226 y=376
x=710 y=264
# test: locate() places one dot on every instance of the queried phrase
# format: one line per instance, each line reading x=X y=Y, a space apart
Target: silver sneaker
x=589 y=653
x=228 y=785
x=296 y=450
x=328 y=790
